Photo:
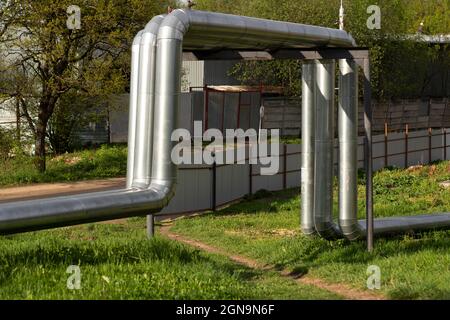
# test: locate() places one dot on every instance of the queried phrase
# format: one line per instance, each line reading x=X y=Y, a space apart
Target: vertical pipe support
x=134 y=82
x=167 y=101
x=348 y=147
x=145 y=104
x=150 y=226
x=324 y=148
x=308 y=134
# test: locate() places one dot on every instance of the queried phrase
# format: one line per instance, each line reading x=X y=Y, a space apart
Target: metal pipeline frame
x=154 y=100
x=157 y=52
x=313 y=103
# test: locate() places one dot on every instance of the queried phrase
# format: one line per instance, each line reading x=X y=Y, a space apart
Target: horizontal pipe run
x=71 y=210
x=400 y=225
x=202 y=30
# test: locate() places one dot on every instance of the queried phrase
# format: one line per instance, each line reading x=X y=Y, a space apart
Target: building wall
x=193 y=75
x=216 y=73
x=196 y=183
x=210 y=72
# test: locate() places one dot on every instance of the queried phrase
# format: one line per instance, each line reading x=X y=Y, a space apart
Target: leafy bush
x=6 y=143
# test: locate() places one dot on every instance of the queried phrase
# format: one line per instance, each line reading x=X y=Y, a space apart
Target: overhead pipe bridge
x=157 y=53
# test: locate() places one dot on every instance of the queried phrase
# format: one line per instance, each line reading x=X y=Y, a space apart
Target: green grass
x=117 y=261
x=105 y=162
x=266 y=228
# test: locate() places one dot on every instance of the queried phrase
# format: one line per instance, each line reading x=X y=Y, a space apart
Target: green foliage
x=117 y=261
x=48 y=61
x=106 y=162
x=412 y=267
x=391 y=57
x=74 y=110
x=7 y=142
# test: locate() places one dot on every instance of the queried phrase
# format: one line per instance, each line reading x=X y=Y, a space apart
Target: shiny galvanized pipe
x=134 y=81
x=71 y=210
x=308 y=127
x=201 y=30
x=348 y=146
x=324 y=140
x=207 y=31
x=145 y=102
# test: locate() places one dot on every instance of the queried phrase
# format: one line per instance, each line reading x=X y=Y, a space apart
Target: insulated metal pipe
x=200 y=30
x=167 y=99
x=71 y=210
x=145 y=101
x=324 y=140
x=348 y=146
x=308 y=134
x=206 y=31
x=134 y=81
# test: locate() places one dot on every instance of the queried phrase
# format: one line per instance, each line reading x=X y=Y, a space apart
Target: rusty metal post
x=406 y=145
x=430 y=141
x=386 y=144
x=368 y=153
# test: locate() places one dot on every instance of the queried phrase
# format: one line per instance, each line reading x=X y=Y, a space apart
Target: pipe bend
x=327 y=230
x=165 y=188
x=175 y=25
x=350 y=229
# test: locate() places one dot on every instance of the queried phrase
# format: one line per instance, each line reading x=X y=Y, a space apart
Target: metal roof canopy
x=361 y=57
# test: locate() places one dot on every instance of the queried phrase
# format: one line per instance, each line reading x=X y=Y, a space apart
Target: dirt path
x=339 y=289
x=37 y=191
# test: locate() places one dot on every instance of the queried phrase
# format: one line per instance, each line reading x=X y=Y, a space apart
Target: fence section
x=206 y=187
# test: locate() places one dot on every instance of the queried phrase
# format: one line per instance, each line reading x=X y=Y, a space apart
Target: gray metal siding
x=216 y=73
x=193 y=75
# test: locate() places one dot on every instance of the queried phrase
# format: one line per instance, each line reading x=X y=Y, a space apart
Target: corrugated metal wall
x=216 y=73
x=193 y=75
x=210 y=72
x=234 y=181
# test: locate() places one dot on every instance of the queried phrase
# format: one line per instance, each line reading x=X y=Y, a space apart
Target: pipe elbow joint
x=175 y=25
x=350 y=229
x=165 y=188
x=308 y=230
x=327 y=230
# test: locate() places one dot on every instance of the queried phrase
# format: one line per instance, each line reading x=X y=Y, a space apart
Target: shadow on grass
x=314 y=252
x=59 y=252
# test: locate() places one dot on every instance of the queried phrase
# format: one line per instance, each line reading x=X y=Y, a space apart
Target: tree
x=387 y=47
x=47 y=58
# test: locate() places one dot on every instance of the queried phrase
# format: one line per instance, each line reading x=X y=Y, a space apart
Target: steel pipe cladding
x=308 y=134
x=154 y=101
x=323 y=147
x=348 y=146
x=134 y=82
x=145 y=101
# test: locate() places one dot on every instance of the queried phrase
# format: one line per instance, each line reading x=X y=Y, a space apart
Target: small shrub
x=6 y=143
